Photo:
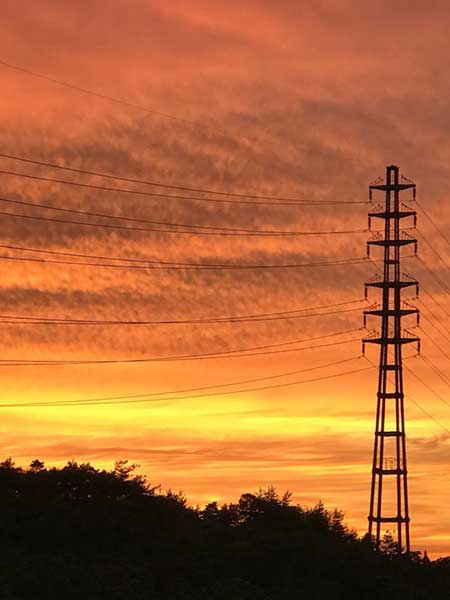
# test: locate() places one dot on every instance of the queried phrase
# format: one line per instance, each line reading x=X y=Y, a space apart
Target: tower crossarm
x=400 y=214
x=391 y=312
x=392 y=242
x=391 y=340
x=391 y=187
x=402 y=242
x=391 y=284
x=390 y=336
x=389 y=519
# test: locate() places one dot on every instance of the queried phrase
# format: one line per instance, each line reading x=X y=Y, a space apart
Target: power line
x=175 y=231
x=430 y=245
x=436 y=370
x=164 y=265
x=134 y=399
x=173 y=196
x=425 y=384
x=208 y=228
x=216 y=386
x=123 y=102
x=182 y=188
x=419 y=406
x=438 y=304
x=438 y=229
x=237 y=353
x=436 y=277
x=275 y=316
x=148 y=261
x=427 y=413
x=441 y=350
x=436 y=318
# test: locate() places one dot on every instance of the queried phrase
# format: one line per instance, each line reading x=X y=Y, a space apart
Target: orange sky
x=315 y=101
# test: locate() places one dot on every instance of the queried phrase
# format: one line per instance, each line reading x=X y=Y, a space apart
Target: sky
x=303 y=100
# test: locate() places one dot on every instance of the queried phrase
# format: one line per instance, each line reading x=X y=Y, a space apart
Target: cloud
x=302 y=101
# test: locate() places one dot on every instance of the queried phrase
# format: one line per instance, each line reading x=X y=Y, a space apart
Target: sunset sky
x=284 y=98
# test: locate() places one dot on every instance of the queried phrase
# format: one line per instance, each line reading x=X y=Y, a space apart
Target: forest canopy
x=80 y=532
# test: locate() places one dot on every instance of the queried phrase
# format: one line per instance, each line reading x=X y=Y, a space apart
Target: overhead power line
x=436 y=318
x=417 y=404
x=434 y=275
x=252 y=351
x=221 y=200
x=433 y=249
x=124 y=102
x=175 y=231
x=147 y=261
x=438 y=304
x=433 y=222
x=164 y=265
x=132 y=399
x=208 y=228
x=442 y=376
x=435 y=344
x=275 y=316
x=191 y=229
x=182 y=188
x=427 y=413
x=425 y=384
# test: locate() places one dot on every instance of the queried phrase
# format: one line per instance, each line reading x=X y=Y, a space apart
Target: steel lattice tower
x=389 y=487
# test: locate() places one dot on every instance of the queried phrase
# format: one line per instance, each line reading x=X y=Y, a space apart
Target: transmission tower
x=389 y=487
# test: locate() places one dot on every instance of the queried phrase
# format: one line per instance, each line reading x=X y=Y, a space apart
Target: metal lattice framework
x=389 y=487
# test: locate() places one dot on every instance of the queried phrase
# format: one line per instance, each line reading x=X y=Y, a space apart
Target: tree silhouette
x=80 y=532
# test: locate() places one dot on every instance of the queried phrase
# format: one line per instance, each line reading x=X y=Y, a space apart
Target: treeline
x=87 y=534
